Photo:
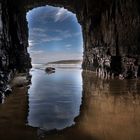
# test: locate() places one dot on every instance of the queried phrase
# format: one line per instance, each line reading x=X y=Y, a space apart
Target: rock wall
x=110 y=30
x=13 y=43
x=114 y=32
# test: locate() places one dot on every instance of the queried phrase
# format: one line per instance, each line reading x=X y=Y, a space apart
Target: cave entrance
x=54 y=35
x=55 y=43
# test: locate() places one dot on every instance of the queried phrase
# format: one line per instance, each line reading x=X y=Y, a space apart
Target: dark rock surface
x=115 y=33
x=111 y=28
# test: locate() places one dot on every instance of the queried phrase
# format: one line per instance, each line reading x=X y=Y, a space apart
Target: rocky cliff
x=113 y=32
x=110 y=30
x=13 y=43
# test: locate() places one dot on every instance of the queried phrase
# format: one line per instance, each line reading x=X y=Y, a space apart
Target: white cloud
x=49 y=39
x=65 y=33
x=35 y=52
x=38 y=35
x=61 y=15
x=32 y=43
x=38 y=30
x=35 y=36
x=68 y=46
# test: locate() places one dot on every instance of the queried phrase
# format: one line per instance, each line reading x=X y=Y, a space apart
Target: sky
x=54 y=34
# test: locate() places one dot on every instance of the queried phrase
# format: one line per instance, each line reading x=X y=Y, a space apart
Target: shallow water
x=92 y=108
x=54 y=99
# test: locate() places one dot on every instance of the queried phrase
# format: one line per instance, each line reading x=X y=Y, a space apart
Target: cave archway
x=107 y=25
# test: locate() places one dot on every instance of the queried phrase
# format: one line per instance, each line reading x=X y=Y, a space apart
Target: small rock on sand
x=19 y=81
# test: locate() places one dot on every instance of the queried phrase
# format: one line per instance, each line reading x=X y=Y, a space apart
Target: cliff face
x=13 y=43
x=110 y=30
x=115 y=33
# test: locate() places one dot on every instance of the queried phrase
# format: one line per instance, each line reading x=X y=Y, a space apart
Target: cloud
x=49 y=39
x=41 y=33
x=65 y=33
x=37 y=30
x=35 y=52
x=68 y=46
x=57 y=14
x=38 y=35
x=32 y=43
x=61 y=15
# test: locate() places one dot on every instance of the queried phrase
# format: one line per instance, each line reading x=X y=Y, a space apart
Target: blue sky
x=54 y=34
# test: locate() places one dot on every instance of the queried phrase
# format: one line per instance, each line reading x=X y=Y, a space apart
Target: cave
x=110 y=27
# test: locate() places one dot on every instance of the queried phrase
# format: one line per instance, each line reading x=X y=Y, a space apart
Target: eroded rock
x=110 y=28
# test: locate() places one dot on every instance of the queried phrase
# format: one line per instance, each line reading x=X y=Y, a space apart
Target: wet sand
x=13 y=117
x=110 y=110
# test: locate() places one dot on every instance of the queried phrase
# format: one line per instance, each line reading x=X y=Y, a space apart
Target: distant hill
x=66 y=62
